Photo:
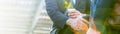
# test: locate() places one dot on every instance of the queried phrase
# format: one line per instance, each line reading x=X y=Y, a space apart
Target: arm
x=58 y=18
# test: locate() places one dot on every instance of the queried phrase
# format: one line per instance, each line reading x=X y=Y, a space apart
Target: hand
x=75 y=21
x=77 y=24
x=72 y=24
x=91 y=31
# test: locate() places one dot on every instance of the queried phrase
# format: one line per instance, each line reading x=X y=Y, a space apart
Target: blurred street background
x=24 y=17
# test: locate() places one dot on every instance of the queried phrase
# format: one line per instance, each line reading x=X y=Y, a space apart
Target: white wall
x=43 y=23
x=16 y=16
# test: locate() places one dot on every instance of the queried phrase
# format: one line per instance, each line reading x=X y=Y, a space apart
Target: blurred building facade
x=24 y=17
x=43 y=22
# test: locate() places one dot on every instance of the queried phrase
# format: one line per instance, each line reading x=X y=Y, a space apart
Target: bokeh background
x=24 y=17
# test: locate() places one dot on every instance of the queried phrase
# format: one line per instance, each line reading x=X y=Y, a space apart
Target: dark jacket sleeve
x=58 y=18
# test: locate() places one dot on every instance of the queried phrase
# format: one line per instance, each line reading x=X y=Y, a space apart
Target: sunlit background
x=24 y=17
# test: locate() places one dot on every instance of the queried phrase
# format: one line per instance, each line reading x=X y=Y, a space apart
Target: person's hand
x=72 y=24
x=77 y=24
x=75 y=21
x=91 y=31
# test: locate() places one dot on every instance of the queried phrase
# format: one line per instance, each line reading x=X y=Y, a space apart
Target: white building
x=23 y=17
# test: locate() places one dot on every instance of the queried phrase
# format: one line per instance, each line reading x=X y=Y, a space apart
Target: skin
x=74 y=15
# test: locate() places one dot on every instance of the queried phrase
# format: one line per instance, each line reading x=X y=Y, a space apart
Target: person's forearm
x=58 y=18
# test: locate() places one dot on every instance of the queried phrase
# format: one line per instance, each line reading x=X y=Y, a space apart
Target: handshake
x=78 y=24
